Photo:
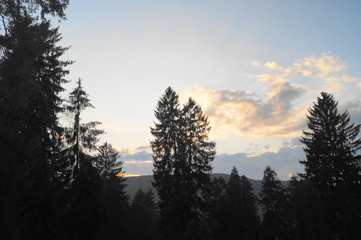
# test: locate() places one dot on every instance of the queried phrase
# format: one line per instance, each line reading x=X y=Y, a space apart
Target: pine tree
x=332 y=164
x=82 y=137
x=114 y=199
x=87 y=185
x=241 y=212
x=182 y=155
x=272 y=200
x=217 y=221
x=31 y=78
x=143 y=217
x=307 y=213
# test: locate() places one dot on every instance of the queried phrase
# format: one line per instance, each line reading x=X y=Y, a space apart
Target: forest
x=59 y=182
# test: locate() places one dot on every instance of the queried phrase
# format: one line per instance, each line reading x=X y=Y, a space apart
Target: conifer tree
x=272 y=200
x=87 y=185
x=332 y=164
x=82 y=137
x=307 y=215
x=218 y=207
x=31 y=78
x=182 y=155
x=241 y=213
x=114 y=199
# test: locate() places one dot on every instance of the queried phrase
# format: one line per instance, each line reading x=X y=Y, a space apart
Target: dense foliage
x=182 y=157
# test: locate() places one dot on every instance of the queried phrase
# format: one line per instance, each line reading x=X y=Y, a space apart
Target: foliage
x=241 y=213
x=182 y=156
x=332 y=164
x=272 y=200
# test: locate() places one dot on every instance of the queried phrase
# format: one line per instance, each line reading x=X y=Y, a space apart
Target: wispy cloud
x=247 y=114
x=284 y=161
x=275 y=113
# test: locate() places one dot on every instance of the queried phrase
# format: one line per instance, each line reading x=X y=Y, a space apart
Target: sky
x=255 y=67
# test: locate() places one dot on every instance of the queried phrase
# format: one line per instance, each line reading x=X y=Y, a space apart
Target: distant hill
x=145 y=182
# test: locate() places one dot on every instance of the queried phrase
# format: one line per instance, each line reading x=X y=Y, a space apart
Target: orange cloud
x=246 y=114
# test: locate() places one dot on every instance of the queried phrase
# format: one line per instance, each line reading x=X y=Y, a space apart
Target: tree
x=31 y=78
x=82 y=137
x=142 y=222
x=241 y=213
x=87 y=184
x=114 y=199
x=332 y=164
x=307 y=211
x=272 y=200
x=182 y=154
x=217 y=205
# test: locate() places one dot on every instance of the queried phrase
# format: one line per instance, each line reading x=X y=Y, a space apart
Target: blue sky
x=254 y=66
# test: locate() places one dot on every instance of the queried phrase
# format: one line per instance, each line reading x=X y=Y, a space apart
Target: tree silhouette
x=182 y=156
x=272 y=200
x=114 y=201
x=87 y=185
x=241 y=212
x=82 y=137
x=31 y=78
x=332 y=164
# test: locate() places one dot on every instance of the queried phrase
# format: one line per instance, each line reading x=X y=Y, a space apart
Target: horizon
x=254 y=67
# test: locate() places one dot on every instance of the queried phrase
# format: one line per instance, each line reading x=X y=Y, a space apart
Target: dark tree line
x=58 y=182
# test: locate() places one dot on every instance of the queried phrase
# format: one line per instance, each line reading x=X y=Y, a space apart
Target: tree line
x=58 y=182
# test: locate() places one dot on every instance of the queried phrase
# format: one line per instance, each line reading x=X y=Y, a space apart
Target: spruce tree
x=272 y=200
x=241 y=212
x=114 y=199
x=182 y=155
x=31 y=78
x=307 y=215
x=332 y=164
x=87 y=185
x=165 y=152
x=82 y=137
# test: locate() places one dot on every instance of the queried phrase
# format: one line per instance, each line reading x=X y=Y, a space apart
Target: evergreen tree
x=218 y=207
x=145 y=199
x=87 y=185
x=182 y=156
x=82 y=137
x=332 y=164
x=114 y=198
x=241 y=213
x=31 y=78
x=307 y=212
x=272 y=200
x=143 y=217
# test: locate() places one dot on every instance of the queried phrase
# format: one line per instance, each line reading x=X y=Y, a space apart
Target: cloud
x=284 y=162
x=245 y=113
x=137 y=161
x=324 y=65
x=354 y=108
x=279 y=111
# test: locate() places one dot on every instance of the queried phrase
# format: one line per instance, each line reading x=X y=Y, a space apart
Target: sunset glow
x=255 y=68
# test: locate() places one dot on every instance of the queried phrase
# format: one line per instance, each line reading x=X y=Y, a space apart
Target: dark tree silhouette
x=182 y=156
x=31 y=78
x=82 y=137
x=87 y=185
x=114 y=201
x=241 y=212
x=142 y=222
x=272 y=200
x=332 y=164
x=218 y=207
x=307 y=213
